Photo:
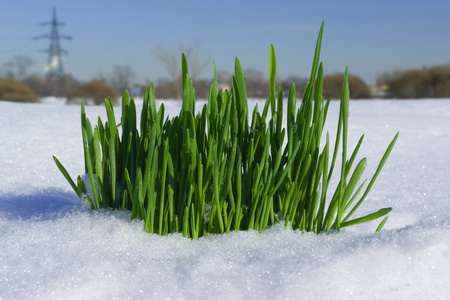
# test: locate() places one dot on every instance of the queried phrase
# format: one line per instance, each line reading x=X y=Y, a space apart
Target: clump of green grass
x=216 y=170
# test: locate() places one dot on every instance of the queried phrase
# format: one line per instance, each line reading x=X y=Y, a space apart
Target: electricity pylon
x=54 y=67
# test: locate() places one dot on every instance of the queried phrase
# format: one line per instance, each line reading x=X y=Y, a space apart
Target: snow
x=53 y=247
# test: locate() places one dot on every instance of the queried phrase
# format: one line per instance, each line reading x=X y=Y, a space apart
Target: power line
x=54 y=66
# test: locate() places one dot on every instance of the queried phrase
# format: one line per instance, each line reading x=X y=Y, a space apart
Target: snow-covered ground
x=52 y=247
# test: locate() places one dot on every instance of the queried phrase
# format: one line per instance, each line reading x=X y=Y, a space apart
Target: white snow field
x=53 y=247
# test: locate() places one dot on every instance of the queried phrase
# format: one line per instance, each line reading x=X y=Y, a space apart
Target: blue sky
x=370 y=37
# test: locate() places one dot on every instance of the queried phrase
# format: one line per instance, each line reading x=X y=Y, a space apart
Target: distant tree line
x=17 y=85
x=418 y=83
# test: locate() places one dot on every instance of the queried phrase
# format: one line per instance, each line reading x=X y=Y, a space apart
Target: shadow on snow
x=43 y=205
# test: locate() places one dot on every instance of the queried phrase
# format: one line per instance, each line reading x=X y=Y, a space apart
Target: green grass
x=218 y=170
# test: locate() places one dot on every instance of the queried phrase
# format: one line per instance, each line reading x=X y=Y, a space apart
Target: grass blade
x=369 y=217
x=381 y=224
x=66 y=175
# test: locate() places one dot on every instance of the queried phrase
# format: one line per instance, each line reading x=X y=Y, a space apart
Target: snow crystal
x=53 y=247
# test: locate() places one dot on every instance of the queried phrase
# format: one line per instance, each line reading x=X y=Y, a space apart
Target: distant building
x=379 y=90
x=224 y=86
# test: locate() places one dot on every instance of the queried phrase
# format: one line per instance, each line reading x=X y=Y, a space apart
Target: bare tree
x=170 y=60
x=253 y=76
x=224 y=77
x=197 y=62
x=255 y=83
x=300 y=84
x=6 y=70
x=121 y=77
x=22 y=64
x=17 y=67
